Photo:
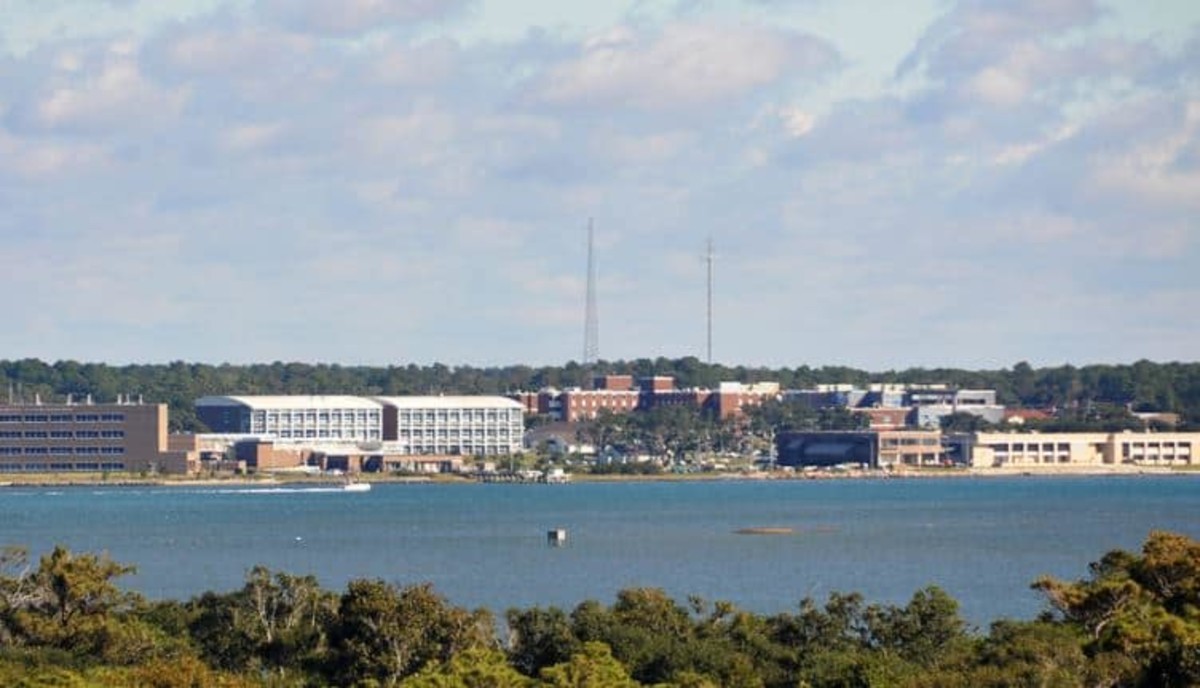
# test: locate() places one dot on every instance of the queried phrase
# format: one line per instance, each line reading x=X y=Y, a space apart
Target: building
x=1096 y=449
x=89 y=437
x=730 y=398
x=574 y=405
x=310 y=418
x=874 y=449
x=447 y=426
x=362 y=434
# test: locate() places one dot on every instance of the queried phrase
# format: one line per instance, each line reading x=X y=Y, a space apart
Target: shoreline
x=98 y=480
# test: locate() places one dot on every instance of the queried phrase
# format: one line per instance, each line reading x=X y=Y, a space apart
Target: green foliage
x=385 y=634
x=1142 y=609
x=592 y=667
x=539 y=638
x=473 y=668
x=275 y=622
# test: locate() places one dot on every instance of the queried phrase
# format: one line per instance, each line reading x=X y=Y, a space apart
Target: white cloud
x=342 y=17
x=304 y=167
x=236 y=51
x=683 y=66
x=106 y=89
x=249 y=137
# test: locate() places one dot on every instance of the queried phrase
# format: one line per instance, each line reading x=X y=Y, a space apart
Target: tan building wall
x=1083 y=449
x=1156 y=448
x=88 y=437
x=911 y=448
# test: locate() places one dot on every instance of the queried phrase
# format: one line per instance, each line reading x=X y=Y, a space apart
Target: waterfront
x=982 y=540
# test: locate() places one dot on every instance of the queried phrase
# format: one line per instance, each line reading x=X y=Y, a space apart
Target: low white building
x=454 y=425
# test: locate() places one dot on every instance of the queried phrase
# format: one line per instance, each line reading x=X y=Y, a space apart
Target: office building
x=89 y=437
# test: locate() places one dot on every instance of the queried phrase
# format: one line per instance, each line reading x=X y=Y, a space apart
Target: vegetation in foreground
x=1133 y=621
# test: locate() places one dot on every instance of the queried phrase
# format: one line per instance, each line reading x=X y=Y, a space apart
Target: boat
x=354 y=486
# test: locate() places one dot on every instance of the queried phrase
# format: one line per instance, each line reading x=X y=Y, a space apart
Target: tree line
x=64 y=621
x=1143 y=386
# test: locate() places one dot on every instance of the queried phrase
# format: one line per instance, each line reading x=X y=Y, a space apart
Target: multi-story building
x=1037 y=449
x=468 y=425
x=302 y=418
x=89 y=437
x=875 y=449
x=621 y=394
x=730 y=398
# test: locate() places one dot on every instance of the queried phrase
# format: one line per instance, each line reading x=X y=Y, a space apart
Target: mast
x=591 y=319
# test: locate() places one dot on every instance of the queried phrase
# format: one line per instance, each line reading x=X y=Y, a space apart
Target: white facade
x=480 y=426
x=306 y=418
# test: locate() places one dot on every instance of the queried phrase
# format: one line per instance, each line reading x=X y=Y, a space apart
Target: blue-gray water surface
x=982 y=540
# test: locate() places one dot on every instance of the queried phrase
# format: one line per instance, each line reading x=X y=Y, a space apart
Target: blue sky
x=927 y=183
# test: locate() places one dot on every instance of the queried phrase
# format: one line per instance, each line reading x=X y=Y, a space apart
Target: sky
x=373 y=182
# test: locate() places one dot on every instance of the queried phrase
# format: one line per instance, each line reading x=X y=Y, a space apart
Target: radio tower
x=591 y=320
x=709 y=260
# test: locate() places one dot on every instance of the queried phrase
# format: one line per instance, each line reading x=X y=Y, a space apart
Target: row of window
x=458 y=416
x=315 y=416
x=329 y=434
x=59 y=451
x=465 y=449
x=63 y=418
x=405 y=433
x=62 y=434
x=56 y=466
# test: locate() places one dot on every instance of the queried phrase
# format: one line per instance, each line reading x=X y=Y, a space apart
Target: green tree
x=592 y=667
x=385 y=634
x=539 y=638
x=474 y=668
x=70 y=601
x=1140 y=614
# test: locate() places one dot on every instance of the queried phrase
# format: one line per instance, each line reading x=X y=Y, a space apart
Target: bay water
x=982 y=540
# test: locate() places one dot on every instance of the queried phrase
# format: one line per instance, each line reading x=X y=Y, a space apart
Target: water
x=982 y=540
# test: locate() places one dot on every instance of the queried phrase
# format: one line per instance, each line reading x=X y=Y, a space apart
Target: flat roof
x=291 y=402
x=452 y=402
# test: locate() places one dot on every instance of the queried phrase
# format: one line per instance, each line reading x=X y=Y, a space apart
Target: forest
x=1142 y=386
x=1133 y=620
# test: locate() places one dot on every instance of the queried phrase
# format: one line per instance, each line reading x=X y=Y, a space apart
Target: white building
x=467 y=425
x=306 y=418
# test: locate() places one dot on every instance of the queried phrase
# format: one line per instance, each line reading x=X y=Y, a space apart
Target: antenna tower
x=709 y=260
x=591 y=320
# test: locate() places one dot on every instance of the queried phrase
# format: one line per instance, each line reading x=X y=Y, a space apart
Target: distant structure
x=591 y=319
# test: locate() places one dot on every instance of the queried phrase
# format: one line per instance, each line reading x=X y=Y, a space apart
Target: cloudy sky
x=932 y=182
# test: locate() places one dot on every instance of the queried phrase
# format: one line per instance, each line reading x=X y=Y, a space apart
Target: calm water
x=983 y=540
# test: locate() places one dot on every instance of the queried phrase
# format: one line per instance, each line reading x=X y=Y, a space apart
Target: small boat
x=352 y=486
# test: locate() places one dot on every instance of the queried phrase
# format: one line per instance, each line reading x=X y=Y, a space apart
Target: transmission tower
x=591 y=319
x=709 y=261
